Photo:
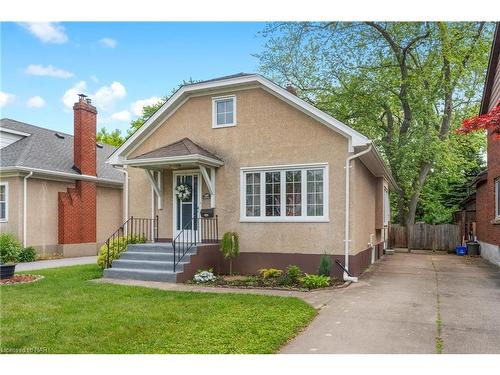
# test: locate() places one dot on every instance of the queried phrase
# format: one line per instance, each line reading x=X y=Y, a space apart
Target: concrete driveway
x=411 y=303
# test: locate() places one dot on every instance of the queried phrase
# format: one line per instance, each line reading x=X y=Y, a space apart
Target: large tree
x=405 y=85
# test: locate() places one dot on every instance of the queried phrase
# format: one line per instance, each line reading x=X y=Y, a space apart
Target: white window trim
x=285 y=219
x=214 y=111
x=6 y=219
x=497 y=192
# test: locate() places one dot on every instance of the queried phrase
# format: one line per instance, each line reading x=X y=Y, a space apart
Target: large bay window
x=285 y=193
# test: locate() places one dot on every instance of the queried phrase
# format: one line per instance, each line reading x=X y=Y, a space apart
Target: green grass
x=66 y=313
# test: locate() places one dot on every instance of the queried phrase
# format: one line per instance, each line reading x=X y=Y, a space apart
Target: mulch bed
x=21 y=279
x=255 y=282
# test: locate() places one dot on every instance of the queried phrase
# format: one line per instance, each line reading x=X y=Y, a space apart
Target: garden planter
x=7 y=271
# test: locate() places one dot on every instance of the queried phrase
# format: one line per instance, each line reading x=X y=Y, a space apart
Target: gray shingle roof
x=184 y=147
x=44 y=150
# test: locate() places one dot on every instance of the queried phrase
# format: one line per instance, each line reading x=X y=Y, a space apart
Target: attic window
x=60 y=136
x=224 y=111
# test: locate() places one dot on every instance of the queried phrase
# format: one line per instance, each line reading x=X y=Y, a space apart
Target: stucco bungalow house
x=57 y=194
x=252 y=157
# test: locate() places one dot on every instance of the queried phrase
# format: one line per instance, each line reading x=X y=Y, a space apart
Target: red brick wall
x=485 y=197
x=77 y=213
x=78 y=206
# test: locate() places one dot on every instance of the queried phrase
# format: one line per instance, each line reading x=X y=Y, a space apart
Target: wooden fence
x=425 y=236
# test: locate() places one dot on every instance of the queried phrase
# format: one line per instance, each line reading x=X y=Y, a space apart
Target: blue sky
x=120 y=65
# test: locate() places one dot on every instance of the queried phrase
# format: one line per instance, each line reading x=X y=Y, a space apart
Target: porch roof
x=184 y=151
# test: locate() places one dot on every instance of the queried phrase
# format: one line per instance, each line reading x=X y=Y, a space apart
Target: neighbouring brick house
x=56 y=191
x=488 y=183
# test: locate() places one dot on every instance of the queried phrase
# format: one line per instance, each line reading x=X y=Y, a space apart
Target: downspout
x=347 y=207
x=25 y=207
x=125 y=195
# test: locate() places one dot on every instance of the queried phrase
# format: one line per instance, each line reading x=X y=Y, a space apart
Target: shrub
x=293 y=273
x=315 y=281
x=230 y=247
x=116 y=247
x=325 y=265
x=270 y=273
x=204 y=276
x=28 y=254
x=9 y=248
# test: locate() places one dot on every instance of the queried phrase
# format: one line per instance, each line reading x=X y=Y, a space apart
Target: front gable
x=226 y=87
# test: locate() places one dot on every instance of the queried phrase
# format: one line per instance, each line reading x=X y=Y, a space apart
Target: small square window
x=224 y=111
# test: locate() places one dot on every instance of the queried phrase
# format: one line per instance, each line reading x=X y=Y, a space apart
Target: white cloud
x=6 y=98
x=94 y=78
x=108 y=43
x=49 y=70
x=106 y=95
x=35 y=102
x=104 y=98
x=70 y=97
x=121 y=116
x=47 y=32
x=138 y=105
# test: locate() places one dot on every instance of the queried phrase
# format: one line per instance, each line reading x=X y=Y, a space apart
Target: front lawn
x=65 y=313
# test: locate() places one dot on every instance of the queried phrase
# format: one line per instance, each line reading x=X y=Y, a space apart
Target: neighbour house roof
x=235 y=82
x=492 y=69
x=49 y=152
x=184 y=147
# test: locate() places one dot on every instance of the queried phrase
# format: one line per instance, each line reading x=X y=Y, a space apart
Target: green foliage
x=325 y=265
x=28 y=254
x=315 y=281
x=116 y=247
x=294 y=273
x=270 y=273
x=113 y=138
x=406 y=85
x=9 y=248
x=230 y=247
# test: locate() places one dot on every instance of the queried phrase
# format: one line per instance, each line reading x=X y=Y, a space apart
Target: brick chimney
x=84 y=146
x=77 y=207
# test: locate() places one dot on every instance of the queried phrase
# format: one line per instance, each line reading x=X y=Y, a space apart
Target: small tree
x=490 y=120
x=325 y=265
x=230 y=247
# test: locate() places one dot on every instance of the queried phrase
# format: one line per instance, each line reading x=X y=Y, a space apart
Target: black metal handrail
x=207 y=231
x=135 y=229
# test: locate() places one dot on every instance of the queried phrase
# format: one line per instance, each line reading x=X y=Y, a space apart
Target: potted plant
x=230 y=247
x=9 y=255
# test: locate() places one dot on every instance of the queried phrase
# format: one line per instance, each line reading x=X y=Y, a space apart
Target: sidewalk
x=53 y=263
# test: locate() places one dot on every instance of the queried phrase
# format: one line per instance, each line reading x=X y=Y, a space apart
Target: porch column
x=156 y=184
x=210 y=182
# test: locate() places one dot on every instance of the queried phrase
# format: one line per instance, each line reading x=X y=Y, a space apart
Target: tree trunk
x=422 y=176
x=401 y=209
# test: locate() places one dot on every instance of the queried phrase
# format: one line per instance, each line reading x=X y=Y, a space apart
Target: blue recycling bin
x=461 y=250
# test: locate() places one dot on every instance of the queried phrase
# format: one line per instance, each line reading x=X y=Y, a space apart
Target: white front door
x=184 y=211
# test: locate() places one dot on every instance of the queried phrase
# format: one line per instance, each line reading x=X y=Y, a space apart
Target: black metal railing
x=194 y=231
x=134 y=230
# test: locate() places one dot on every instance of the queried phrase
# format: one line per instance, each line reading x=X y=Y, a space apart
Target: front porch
x=181 y=165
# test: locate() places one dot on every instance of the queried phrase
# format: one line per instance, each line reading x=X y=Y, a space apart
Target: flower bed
x=291 y=279
x=21 y=279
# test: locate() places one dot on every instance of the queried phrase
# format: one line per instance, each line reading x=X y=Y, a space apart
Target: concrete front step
x=151 y=247
x=148 y=255
x=140 y=274
x=148 y=264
